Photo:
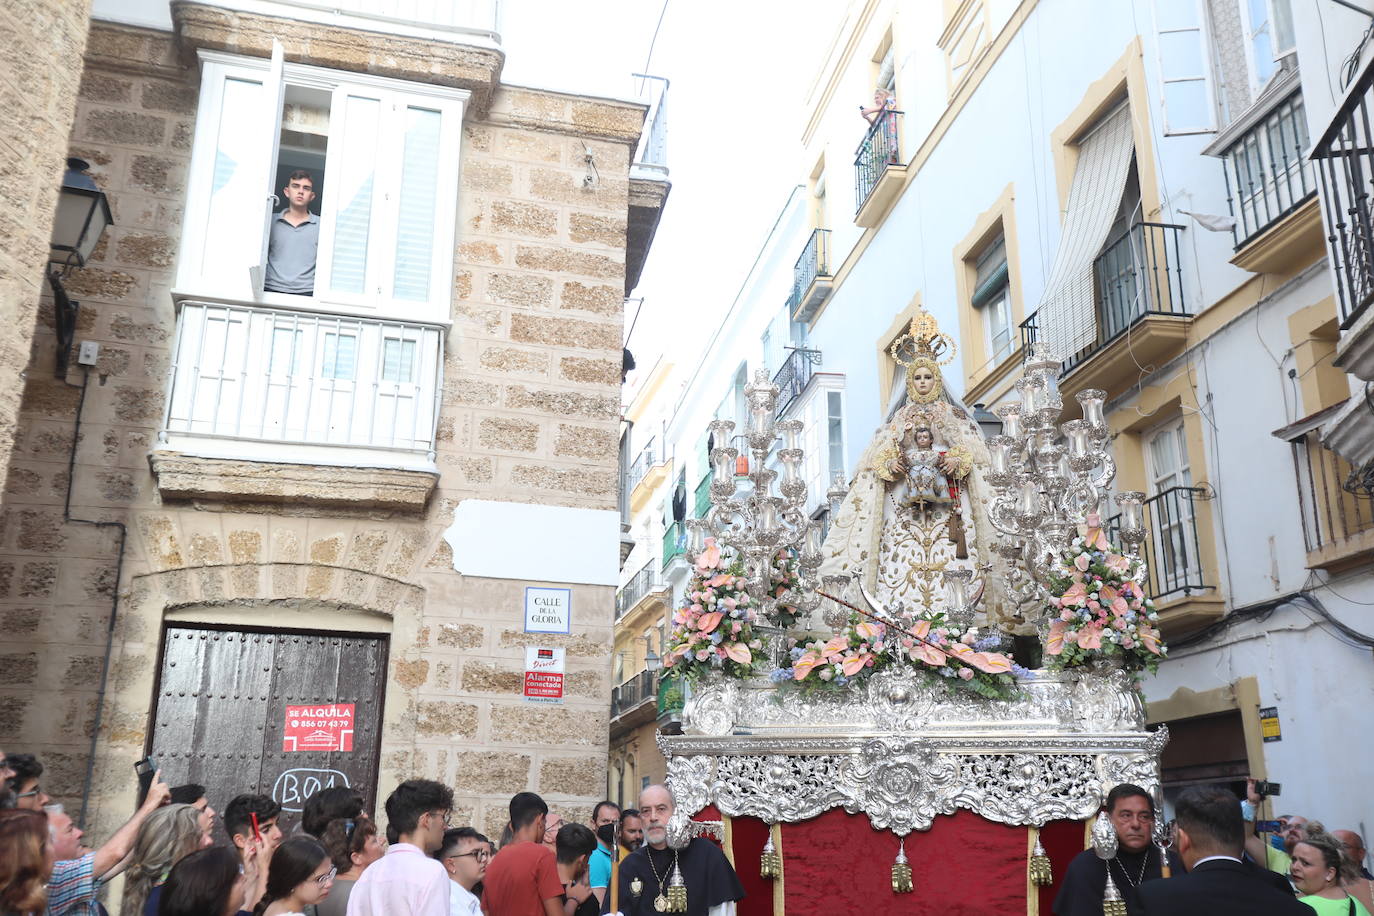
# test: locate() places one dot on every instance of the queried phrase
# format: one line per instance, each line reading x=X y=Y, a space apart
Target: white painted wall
x=1323 y=685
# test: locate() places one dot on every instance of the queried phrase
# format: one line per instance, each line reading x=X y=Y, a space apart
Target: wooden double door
x=279 y=713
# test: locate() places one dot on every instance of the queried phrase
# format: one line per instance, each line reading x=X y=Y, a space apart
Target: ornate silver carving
x=902 y=751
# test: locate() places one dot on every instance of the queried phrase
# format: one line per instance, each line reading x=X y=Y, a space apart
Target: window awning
x=1066 y=318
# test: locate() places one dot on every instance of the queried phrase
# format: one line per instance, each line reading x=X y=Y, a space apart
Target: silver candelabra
x=1044 y=489
x=765 y=516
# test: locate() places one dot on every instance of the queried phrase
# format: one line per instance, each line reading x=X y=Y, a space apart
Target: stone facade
x=529 y=413
x=38 y=102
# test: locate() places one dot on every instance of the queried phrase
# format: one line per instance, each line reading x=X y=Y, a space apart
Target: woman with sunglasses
x=300 y=875
x=353 y=845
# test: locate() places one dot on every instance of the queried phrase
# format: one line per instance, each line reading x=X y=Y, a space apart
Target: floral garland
x=1102 y=612
x=930 y=644
x=715 y=629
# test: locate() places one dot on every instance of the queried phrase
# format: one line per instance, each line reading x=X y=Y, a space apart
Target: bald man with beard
x=1362 y=888
x=712 y=886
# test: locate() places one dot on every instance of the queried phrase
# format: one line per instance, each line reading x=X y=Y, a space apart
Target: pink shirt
x=404 y=882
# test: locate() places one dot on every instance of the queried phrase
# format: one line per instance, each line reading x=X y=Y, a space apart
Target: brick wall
x=529 y=414
x=36 y=103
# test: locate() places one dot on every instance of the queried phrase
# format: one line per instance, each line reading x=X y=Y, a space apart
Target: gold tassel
x=677 y=890
x=1112 y=904
x=901 y=871
x=770 y=863
x=1040 y=873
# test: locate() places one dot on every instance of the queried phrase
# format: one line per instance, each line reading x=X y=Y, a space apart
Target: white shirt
x=404 y=882
x=461 y=901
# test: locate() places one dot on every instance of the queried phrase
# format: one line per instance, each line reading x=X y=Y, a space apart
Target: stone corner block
x=181 y=476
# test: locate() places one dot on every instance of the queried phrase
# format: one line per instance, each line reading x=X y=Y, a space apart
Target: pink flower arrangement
x=715 y=628
x=865 y=646
x=1099 y=608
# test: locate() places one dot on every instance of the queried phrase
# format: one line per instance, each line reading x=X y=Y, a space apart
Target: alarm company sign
x=323 y=727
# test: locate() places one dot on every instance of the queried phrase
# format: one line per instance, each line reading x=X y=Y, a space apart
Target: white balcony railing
x=255 y=375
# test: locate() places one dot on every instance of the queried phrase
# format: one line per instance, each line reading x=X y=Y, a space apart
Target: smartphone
x=1268 y=826
x=144 y=769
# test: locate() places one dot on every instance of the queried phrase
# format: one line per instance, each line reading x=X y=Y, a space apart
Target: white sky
x=739 y=70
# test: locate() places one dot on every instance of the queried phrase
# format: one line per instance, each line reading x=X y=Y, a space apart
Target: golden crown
x=923 y=341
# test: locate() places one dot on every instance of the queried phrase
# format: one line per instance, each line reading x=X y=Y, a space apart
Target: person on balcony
x=883 y=100
x=294 y=242
x=884 y=104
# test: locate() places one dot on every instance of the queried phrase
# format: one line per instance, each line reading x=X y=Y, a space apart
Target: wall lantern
x=652 y=662
x=83 y=215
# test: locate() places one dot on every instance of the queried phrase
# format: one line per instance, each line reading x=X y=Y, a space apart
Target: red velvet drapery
x=964 y=864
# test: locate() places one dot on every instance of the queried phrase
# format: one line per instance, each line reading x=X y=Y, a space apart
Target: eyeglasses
x=37 y=790
x=325 y=878
x=479 y=854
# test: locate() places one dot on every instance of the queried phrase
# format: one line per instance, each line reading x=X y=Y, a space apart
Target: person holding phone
x=77 y=877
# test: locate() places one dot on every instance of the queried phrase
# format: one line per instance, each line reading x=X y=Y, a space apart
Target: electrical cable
x=648 y=58
x=114 y=601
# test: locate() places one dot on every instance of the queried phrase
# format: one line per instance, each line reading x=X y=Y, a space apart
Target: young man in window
x=295 y=240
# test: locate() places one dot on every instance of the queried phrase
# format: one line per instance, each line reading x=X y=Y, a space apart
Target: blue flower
x=778 y=675
x=947 y=671
x=797 y=652
x=716 y=638
x=987 y=643
x=1023 y=673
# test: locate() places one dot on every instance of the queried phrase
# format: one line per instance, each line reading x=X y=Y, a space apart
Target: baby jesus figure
x=926 y=481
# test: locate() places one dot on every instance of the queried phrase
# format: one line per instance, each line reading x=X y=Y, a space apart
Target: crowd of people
x=337 y=863
x=1218 y=860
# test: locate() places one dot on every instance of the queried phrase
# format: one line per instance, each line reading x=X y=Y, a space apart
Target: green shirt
x=1277 y=860
x=1325 y=906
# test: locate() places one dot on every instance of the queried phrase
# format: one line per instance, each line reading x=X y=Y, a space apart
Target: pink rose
x=1081 y=562
x=966 y=673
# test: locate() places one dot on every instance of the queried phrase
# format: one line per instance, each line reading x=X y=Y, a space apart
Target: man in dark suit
x=1211 y=836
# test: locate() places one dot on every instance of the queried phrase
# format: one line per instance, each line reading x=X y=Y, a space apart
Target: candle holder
x=767 y=514
x=1049 y=478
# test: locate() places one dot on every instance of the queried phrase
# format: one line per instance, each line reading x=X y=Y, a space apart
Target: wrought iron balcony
x=1267 y=172
x=1136 y=276
x=1344 y=156
x=276 y=380
x=703 y=497
x=642 y=688
x=794 y=376
x=1171 y=550
x=670 y=703
x=811 y=277
x=640 y=584
x=674 y=542
x=647 y=460
x=1337 y=514
x=878 y=156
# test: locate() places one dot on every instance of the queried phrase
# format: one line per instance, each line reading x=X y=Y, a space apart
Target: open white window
x=991 y=297
x=1185 y=70
x=1269 y=37
x=383 y=158
x=1173 y=531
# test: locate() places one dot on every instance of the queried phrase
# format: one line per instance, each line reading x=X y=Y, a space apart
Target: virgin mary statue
x=918 y=505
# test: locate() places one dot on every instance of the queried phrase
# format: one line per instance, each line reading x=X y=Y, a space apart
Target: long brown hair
x=25 y=864
x=164 y=839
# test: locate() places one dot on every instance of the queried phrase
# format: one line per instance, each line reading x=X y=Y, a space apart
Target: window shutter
x=419 y=192
x=991 y=273
x=1068 y=312
x=353 y=177
x=231 y=244
x=1184 y=67
x=275 y=91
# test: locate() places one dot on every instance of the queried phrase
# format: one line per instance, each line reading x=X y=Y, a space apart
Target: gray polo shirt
x=291 y=253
